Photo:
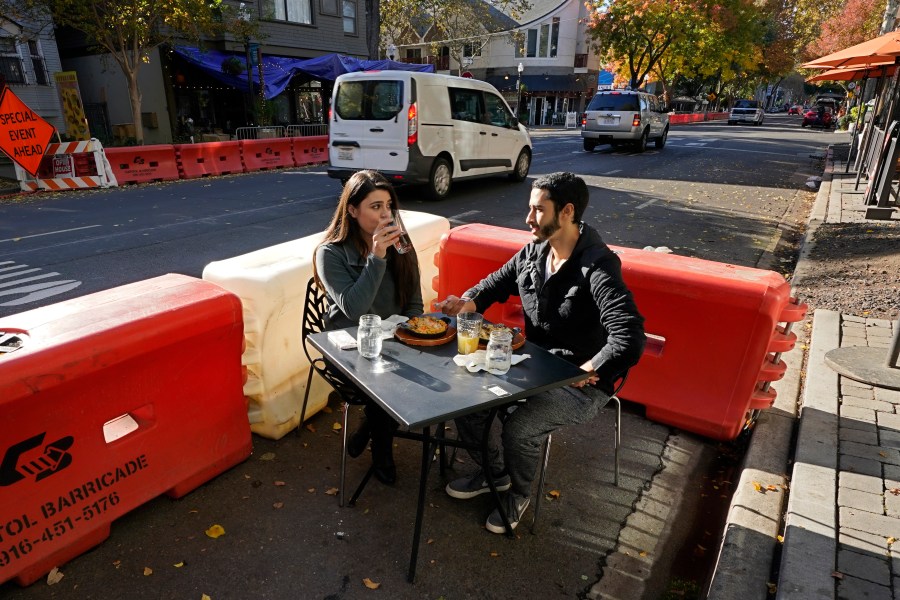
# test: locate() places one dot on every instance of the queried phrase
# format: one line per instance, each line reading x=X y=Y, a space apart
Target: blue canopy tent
x=278 y=70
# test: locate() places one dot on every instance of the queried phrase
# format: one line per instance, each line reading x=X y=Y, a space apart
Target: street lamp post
x=519 y=89
x=244 y=14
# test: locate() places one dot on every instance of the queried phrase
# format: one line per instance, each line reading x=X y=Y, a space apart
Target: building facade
x=559 y=72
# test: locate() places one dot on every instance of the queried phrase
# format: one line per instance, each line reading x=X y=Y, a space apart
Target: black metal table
x=421 y=387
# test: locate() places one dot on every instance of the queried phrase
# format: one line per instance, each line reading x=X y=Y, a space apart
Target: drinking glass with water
x=498 y=356
x=368 y=336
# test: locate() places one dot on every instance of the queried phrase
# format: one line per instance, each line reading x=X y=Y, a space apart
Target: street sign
x=467 y=75
x=23 y=133
x=63 y=165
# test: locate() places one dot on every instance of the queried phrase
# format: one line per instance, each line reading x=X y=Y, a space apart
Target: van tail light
x=636 y=121
x=330 y=113
x=583 y=119
x=412 y=131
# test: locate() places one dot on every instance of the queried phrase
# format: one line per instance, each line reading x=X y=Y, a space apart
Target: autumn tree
x=856 y=22
x=637 y=33
x=130 y=29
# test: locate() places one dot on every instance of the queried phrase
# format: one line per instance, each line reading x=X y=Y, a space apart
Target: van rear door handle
x=483 y=132
x=494 y=135
x=377 y=130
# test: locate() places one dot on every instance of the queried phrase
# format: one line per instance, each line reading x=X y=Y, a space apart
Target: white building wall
x=43 y=99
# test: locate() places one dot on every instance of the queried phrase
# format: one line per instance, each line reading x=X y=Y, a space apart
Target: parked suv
x=623 y=116
x=746 y=111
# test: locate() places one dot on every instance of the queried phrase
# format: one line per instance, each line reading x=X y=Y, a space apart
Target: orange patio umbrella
x=852 y=74
x=882 y=50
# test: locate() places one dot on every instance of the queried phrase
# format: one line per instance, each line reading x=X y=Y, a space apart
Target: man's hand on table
x=592 y=379
x=453 y=305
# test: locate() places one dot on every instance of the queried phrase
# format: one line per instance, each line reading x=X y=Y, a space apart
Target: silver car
x=623 y=116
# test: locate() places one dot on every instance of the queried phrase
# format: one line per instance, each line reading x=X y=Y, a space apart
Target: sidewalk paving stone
x=865 y=566
x=853 y=588
x=869 y=502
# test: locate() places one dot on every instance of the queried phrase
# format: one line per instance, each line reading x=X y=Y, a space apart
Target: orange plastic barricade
x=312 y=150
x=715 y=329
x=142 y=164
x=271 y=153
x=209 y=158
x=110 y=400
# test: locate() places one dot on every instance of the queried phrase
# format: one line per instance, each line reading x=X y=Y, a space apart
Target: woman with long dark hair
x=362 y=273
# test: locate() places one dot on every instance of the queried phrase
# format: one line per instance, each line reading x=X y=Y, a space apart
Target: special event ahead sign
x=23 y=133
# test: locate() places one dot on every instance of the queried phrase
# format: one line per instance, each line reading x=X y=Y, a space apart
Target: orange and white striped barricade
x=67 y=173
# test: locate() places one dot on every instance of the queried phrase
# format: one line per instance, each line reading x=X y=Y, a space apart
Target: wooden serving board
x=517 y=342
x=412 y=339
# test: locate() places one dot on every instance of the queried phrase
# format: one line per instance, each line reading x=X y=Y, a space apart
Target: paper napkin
x=389 y=325
x=474 y=362
x=342 y=339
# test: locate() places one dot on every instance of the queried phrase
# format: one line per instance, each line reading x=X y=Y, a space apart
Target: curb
x=750 y=540
x=810 y=540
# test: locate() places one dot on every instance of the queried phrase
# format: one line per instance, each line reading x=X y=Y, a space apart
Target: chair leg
x=541 y=477
x=618 y=436
x=346 y=407
x=305 y=400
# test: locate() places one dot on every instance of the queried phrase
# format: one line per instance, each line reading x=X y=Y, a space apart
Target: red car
x=795 y=110
x=813 y=118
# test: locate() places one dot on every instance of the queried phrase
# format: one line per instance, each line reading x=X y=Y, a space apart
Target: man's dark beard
x=547 y=230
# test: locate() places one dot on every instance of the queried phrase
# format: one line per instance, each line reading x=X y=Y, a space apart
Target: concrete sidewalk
x=843 y=509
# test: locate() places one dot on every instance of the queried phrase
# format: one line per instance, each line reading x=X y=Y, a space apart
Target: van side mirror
x=514 y=123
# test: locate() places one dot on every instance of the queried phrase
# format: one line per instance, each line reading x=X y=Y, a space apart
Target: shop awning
x=278 y=70
x=543 y=84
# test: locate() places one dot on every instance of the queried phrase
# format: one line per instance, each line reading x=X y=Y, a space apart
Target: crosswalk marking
x=23 y=290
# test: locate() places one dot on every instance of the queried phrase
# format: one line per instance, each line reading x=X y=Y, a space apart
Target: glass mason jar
x=368 y=336
x=498 y=357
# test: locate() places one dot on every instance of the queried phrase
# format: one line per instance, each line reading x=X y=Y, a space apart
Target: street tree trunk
x=134 y=93
x=373 y=18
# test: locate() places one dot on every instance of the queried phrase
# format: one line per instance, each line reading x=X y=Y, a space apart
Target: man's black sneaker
x=476 y=484
x=515 y=508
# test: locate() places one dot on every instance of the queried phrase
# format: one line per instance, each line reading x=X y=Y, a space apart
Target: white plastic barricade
x=68 y=178
x=271 y=284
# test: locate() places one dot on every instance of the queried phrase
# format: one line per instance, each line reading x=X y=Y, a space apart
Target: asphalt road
x=715 y=192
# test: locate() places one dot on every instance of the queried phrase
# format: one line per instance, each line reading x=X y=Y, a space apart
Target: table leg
x=427 y=453
x=362 y=486
x=489 y=476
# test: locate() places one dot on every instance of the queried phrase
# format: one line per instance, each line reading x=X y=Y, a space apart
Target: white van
x=421 y=128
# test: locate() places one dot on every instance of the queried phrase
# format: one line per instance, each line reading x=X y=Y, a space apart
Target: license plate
x=608 y=121
x=345 y=152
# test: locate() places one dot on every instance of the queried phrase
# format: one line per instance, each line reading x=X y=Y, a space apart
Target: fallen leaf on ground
x=311 y=427
x=336 y=427
x=267 y=456
x=891 y=540
x=757 y=486
x=178 y=565
x=148 y=571
x=642 y=553
x=371 y=584
x=895 y=491
x=780 y=539
x=772 y=488
x=837 y=574
x=279 y=483
x=332 y=491
x=215 y=531
x=278 y=504
x=54 y=576
x=311 y=490
x=772 y=587
x=429 y=541
x=554 y=494
x=495 y=553
x=205 y=597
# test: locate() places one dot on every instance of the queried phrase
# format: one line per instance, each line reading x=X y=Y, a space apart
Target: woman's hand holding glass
x=384 y=237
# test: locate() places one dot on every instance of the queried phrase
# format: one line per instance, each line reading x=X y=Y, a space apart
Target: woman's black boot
x=383 y=457
x=359 y=439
